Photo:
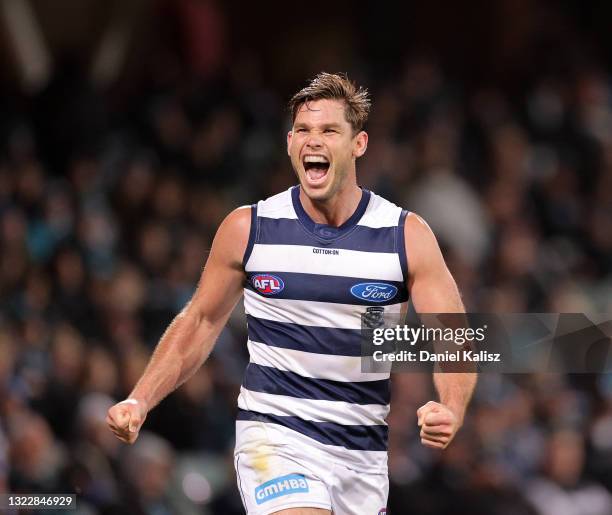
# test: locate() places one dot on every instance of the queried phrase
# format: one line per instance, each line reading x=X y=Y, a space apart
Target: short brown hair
x=335 y=86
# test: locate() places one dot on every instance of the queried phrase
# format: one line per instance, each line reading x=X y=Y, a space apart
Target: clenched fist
x=126 y=418
x=438 y=425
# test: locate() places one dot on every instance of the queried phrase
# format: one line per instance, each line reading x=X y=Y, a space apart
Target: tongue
x=317 y=173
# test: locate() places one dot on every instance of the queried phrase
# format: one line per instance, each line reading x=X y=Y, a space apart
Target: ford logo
x=374 y=292
x=268 y=284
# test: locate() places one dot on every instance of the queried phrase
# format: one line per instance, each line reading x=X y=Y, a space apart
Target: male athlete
x=311 y=436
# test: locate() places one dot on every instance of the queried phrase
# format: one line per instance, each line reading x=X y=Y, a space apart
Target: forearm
x=182 y=349
x=455 y=390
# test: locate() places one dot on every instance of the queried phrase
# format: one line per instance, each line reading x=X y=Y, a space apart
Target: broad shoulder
x=421 y=245
x=232 y=235
x=238 y=222
x=416 y=229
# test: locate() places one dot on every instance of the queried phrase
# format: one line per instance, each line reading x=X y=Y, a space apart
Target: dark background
x=128 y=130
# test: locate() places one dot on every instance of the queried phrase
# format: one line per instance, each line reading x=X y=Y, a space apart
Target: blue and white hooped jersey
x=306 y=289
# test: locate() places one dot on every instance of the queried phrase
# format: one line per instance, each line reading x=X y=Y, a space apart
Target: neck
x=334 y=211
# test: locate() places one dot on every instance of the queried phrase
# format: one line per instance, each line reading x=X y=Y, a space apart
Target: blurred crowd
x=106 y=220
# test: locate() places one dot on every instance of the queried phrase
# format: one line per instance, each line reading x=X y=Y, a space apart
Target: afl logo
x=268 y=284
x=374 y=292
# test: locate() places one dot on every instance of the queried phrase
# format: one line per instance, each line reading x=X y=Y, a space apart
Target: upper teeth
x=315 y=159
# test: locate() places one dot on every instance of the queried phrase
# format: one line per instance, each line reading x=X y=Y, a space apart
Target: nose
x=314 y=141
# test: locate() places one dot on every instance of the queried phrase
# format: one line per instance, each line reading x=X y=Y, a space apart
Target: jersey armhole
x=252 y=236
x=401 y=243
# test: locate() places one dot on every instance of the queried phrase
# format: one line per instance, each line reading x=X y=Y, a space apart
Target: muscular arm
x=191 y=336
x=433 y=290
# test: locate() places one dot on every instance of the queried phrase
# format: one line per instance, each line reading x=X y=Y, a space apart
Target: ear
x=360 y=144
x=289 y=136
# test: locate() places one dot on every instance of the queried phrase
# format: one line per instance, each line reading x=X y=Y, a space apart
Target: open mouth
x=316 y=168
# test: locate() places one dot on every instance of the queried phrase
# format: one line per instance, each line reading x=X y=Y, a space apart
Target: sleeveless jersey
x=307 y=286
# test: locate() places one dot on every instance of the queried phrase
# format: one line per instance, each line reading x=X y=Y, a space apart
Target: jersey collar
x=324 y=231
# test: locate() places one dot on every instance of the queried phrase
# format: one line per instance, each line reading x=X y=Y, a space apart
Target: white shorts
x=294 y=471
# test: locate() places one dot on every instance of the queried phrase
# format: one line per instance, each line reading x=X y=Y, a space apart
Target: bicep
x=432 y=287
x=221 y=282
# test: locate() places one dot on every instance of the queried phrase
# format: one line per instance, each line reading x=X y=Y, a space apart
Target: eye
x=330 y=131
x=301 y=129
